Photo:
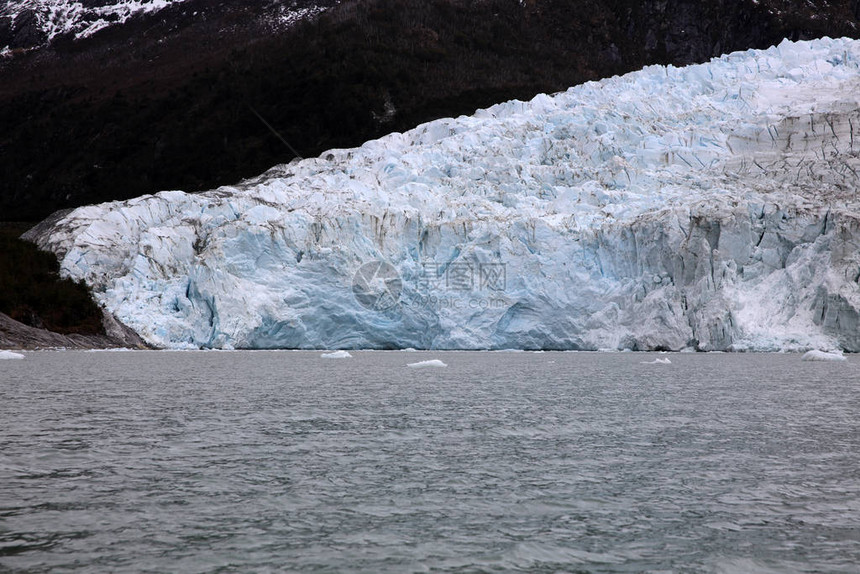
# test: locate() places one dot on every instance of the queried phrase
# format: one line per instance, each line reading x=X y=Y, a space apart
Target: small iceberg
x=426 y=364
x=823 y=356
x=10 y=355
x=657 y=361
x=336 y=355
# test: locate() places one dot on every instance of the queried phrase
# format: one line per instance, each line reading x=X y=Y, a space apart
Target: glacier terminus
x=711 y=207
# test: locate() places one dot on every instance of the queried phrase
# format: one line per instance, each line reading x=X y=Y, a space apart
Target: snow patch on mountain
x=48 y=19
x=287 y=16
x=82 y=19
x=712 y=206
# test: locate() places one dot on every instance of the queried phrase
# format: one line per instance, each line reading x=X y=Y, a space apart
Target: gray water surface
x=501 y=462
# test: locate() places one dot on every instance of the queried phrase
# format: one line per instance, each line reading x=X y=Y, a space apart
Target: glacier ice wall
x=712 y=206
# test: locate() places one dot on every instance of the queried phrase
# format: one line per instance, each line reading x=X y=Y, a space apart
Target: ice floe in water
x=10 y=355
x=336 y=355
x=823 y=356
x=658 y=361
x=427 y=364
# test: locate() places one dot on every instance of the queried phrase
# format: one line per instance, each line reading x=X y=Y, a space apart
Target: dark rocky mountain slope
x=199 y=94
x=38 y=309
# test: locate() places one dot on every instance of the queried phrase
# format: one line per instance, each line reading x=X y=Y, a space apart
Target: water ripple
x=503 y=462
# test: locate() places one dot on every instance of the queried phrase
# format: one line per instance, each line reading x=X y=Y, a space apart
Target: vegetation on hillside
x=32 y=292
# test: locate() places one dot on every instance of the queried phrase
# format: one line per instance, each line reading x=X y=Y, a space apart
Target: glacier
x=712 y=207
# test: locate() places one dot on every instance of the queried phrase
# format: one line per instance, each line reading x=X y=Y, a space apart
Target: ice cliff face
x=712 y=206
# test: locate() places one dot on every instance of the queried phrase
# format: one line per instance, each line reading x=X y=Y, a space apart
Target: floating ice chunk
x=336 y=355
x=426 y=364
x=823 y=356
x=112 y=350
x=657 y=361
x=10 y=355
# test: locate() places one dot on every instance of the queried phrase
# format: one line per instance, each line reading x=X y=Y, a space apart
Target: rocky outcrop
x=15 y=335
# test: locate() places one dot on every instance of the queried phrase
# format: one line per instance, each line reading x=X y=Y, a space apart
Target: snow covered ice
x=712 y=206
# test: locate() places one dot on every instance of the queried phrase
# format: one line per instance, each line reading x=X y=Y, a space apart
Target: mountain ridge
x=180 y=106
